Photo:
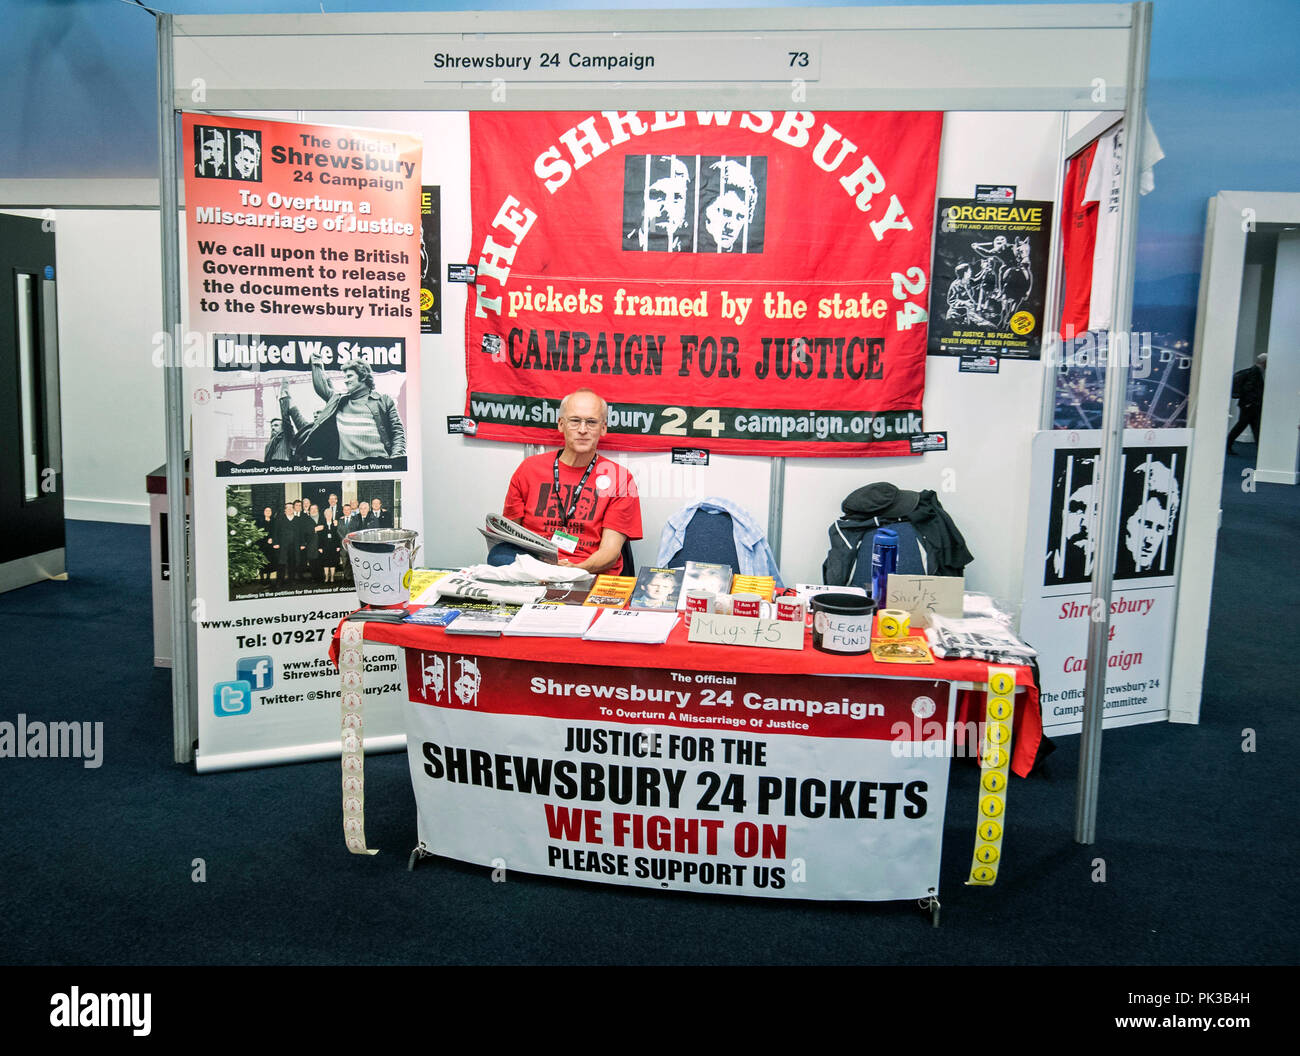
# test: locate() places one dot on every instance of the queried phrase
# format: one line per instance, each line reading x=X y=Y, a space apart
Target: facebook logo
x=257 y=671
x=232 y=698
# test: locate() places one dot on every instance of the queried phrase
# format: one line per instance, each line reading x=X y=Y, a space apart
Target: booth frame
x=1067 y=58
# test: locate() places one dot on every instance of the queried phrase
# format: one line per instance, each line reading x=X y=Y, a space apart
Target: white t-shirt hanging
x=1104 y=186
x=1152 y=153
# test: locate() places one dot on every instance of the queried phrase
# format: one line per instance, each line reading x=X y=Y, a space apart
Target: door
x=31 y=467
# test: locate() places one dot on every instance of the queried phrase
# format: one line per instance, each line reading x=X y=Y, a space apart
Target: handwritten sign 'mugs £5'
x=722 y=629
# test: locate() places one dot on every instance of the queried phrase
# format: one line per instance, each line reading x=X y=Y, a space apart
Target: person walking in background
x=1248 y=391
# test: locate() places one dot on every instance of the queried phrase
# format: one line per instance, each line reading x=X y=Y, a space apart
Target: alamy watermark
x=1131 y=349
x=34 y=739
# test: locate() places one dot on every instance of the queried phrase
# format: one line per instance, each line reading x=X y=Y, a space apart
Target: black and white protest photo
x=1151 y=483
x=312 y=404
x=1072 y=523
x=1151 y=480
x=228 y=153
x=289 y=538
x=694 y=203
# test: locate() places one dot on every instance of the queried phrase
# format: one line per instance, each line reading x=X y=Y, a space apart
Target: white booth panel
x=1048 y=57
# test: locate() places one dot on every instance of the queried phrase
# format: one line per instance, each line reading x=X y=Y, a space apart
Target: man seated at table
x=584 y=503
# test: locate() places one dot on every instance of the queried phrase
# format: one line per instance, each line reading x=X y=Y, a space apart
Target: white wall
x=110 y=306
x=1248 y=315
x=1276 y=460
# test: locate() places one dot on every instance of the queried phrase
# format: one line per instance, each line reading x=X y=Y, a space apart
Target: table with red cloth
x=485 y=734
x=677 y=652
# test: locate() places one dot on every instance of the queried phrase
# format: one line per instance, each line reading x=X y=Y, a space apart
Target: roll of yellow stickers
x=894 y=623
x=999 y=708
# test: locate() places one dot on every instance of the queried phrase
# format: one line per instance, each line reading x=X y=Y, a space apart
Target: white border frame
x=1230 y=217
x=1067 y=52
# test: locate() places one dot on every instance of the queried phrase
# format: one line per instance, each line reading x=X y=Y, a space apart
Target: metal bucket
x=381 y=564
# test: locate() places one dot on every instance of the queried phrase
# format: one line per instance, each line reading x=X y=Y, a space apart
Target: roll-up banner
x=753 y=283
x=304 y=267
x=1064 y=503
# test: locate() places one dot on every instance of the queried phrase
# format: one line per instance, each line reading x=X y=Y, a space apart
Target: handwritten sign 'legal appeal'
x=722 y=629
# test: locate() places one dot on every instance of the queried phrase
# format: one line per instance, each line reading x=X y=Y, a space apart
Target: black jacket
x=872 y=506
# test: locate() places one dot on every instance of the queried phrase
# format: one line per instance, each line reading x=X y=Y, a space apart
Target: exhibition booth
x=394 y=244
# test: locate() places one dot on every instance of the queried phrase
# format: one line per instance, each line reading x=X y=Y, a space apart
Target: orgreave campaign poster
x=990 y=276
x=751 y=282
x=304 y=266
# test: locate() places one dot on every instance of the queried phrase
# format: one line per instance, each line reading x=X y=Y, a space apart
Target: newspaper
x=499 y=529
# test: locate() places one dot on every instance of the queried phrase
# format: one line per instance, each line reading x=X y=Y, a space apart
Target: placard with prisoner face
x=674 y=203
x=228 y=153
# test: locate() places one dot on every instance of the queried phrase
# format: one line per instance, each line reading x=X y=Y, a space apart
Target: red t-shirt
x=609 y=499
x=1078 y=238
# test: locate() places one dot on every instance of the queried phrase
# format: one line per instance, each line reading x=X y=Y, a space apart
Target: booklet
x=482 y=619
x=562 y=595
x=632 y=625
x=550 y=620
x=901 y=651
x=658 y=588
x=703 y=575
x=432 y=616
x=611 y=592
x=763 y=586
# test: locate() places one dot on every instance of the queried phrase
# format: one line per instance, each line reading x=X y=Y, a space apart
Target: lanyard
x=566 y=514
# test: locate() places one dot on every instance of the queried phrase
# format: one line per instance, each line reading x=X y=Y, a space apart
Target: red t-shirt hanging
x=1078 y=239
x=609 y=499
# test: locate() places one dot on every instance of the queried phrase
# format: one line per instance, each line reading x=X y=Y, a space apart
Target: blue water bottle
x=884 y=560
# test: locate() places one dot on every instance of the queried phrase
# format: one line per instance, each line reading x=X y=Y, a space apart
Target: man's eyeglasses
x=578 y=423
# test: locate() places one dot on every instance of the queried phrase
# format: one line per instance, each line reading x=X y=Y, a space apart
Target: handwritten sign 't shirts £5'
x=926 y=596
x=722 y=629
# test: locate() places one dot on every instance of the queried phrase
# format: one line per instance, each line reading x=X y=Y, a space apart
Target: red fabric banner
x=819 y=706
x=747 y=282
